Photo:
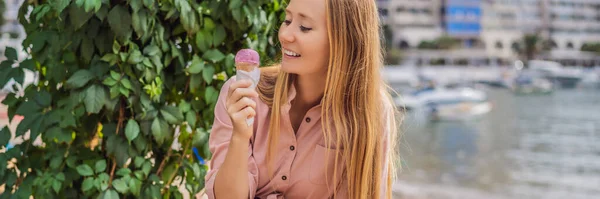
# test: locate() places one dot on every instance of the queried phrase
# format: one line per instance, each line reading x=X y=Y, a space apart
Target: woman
x=324 y=123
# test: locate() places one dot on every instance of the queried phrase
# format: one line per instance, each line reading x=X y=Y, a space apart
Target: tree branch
x=164 y=161
x=119 y=124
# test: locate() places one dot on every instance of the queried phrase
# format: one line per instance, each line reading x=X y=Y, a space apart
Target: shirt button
x=284 y=177
x=307 y=119
x=292 y=148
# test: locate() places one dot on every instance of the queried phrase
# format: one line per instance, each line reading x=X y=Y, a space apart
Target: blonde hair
x=357 y=111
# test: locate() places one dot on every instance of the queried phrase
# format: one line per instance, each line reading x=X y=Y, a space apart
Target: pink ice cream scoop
x=246 y=64
x=246 y=60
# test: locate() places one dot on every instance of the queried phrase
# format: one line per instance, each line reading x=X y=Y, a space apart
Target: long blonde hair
x=357 y=111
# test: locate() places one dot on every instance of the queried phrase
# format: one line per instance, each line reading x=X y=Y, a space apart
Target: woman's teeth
x=290 y=53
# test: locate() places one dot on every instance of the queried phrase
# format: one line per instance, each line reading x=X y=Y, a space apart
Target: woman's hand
x=240 y=107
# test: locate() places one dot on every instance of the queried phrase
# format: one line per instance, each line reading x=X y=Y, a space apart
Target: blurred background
x=501 y=97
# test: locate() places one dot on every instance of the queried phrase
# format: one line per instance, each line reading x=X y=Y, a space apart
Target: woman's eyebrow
x=302 y=15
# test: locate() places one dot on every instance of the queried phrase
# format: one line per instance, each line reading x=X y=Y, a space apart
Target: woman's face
x=303 y=37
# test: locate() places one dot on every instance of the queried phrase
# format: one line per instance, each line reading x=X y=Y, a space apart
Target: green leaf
x=135 y=185
x=135 y=57
x=172 y=114
x=5 y=136
x=116 y=47
x=235 y=4
x=151 y=50
x=191 y=118
x=28 y=64
x=28 y=108
x=209 y=24
x=17 y=74
x=85 y=170
x=11 y=53
x=60 y=177
x=135 y=5
x=168 y=171
x=124 y=91
x=237 y=15
x=196 y=66
x=139 y=174
x=213 y=55
x=120 y=186
x=60 y=5
x=139 y=21
x=115 y=75
x=149 y=4
x=95 y=98
x=208 y=74
x=103 y=179
x=199 y=139
x=230 y=61
x=80 y=78
x=43 y=98
x=132 y=130
x=147 y=167
x=219 y=35
x=88 y=183
x=195 y=82
x=211 y=95
x=126 y=83
x=32 y=123
x=114 y=92
x=78 y=16
x=201 y=41
x=87 y=49
x=160 y=130
x=112 y=59
x=89 y=5
x=184 y=106
x=100 y=166
x=119 y=20
x=69 y=57
x=110 y=194
x=109 y=81
x=138 y=161
x=56 y=186
x=123 y=172
x=102 y=12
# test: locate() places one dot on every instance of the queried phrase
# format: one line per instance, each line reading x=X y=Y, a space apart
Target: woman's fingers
x=239 y=90
x=244 y=83
x=241 y=104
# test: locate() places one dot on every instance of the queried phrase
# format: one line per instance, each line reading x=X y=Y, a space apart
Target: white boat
x=591 y=79
x=555 y=72
x=447 y=104
x=528 y=82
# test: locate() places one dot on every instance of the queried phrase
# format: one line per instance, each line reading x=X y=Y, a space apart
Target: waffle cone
x=248 y=67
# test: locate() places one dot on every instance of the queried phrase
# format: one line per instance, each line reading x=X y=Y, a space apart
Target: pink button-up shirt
x=301 y=168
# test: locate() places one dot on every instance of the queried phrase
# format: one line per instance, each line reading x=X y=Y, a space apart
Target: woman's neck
x=309 y=91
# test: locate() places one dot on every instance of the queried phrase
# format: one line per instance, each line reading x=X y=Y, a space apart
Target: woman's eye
x=305 y=29
x=287 y=22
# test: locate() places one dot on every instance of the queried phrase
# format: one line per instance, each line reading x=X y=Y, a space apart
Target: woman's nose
x=286 y=35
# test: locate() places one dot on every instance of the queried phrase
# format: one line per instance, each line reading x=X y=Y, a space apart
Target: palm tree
x=529 y=46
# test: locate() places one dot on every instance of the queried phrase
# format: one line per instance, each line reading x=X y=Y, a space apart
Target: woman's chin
x=288 y=69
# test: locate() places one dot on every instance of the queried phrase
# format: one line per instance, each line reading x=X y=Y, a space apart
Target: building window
x=499 y=45
x=403 y=45
x=553 y=44
x=383 y=12
x=569 y=45
x=400 y=9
